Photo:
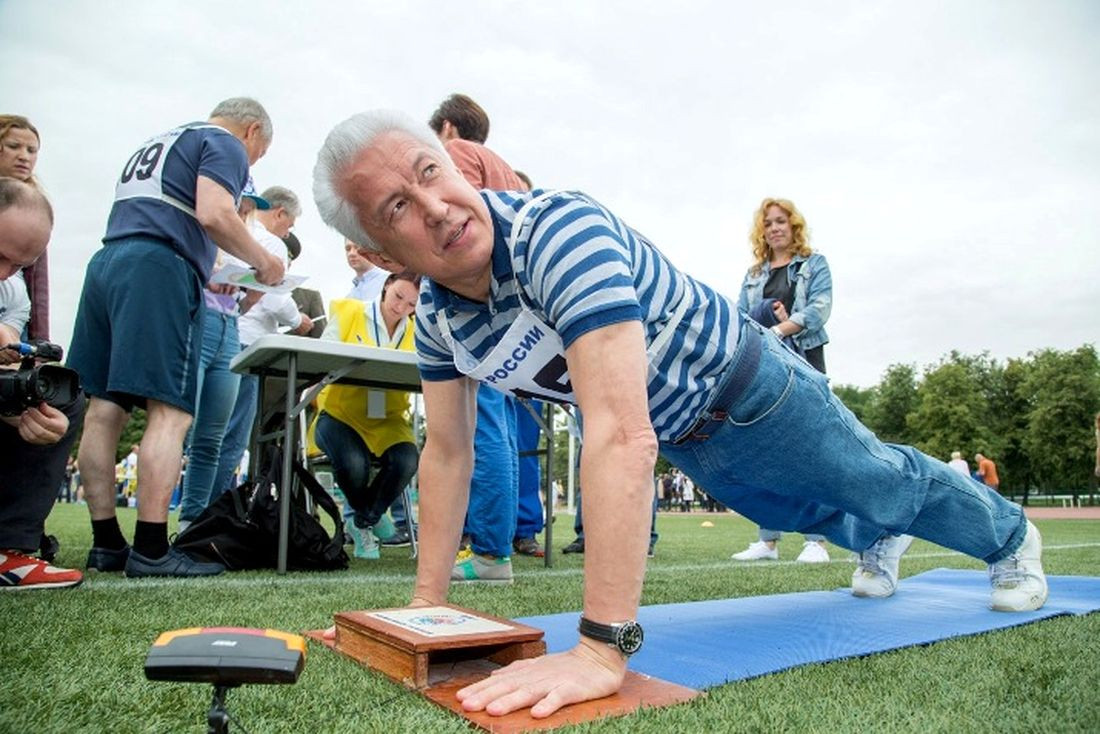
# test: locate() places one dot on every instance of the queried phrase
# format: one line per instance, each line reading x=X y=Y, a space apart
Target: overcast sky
x=946 y=155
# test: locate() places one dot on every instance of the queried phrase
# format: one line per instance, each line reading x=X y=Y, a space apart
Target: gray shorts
x=138 y=331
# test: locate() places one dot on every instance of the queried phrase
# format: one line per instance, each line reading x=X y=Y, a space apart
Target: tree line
x=1033 y=416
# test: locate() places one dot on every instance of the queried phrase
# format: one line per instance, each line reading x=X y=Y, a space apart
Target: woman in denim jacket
x=790 y=290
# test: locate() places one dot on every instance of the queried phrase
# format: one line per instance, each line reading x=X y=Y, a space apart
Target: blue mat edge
x=551 y=623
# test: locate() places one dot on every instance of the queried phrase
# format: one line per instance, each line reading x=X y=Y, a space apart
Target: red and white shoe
x=20 y=571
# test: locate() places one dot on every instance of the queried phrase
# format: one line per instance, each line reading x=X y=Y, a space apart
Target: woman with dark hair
x=356 y=426
x=789 y=289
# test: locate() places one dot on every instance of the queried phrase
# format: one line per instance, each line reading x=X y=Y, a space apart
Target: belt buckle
x=695 y=434
x=718 y=416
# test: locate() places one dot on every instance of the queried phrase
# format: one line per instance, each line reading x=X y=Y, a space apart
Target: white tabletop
x=372 y=366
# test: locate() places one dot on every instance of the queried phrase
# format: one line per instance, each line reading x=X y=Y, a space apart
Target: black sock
x=151 y=539
x=107 y=534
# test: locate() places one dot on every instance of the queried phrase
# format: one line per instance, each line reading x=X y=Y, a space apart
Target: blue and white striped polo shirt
x=581 y=269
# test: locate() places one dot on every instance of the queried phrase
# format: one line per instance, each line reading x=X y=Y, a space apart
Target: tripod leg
x=217 y=719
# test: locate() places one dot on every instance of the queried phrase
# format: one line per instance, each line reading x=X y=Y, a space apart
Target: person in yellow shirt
x=356 y=426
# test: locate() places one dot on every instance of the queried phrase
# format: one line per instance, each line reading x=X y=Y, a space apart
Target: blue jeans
x=217 y=393
x=529 y=517
x=351 y=465
x=399 y=513
x=494 y=486
x=775 y=535
x=237 y=433
x=787 y=454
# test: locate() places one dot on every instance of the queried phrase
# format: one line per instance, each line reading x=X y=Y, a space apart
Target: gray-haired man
x=550 y=294
x=138 y=331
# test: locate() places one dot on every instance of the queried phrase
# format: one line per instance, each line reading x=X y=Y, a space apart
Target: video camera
x=35 y=383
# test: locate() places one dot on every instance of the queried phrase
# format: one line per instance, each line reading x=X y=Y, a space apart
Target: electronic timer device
x=226 y=657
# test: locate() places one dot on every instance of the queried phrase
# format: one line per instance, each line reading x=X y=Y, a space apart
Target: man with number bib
x=549 y=294
x=138 y=332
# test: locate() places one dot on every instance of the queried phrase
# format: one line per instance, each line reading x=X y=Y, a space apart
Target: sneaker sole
x=1033 y=605
x=169 y=575
x=496 y=582
x=32 y=587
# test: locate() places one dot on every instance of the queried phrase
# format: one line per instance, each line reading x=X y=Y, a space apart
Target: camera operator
x=34 y=444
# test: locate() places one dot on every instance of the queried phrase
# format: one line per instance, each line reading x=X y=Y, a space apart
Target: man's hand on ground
x=549 y=682
x=42 y=425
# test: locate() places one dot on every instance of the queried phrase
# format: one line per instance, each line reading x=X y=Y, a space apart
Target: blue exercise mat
x=708 y=643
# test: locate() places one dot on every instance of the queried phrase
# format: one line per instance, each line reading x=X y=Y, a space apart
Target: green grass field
x=72 y=659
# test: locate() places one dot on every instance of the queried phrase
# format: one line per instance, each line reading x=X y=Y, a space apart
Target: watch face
x=628 y=637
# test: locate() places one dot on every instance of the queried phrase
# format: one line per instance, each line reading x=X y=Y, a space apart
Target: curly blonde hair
x=800 y=234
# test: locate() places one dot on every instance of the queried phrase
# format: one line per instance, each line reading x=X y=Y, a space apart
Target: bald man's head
x=26 y=220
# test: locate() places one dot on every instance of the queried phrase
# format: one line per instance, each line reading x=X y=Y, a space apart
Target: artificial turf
x=71 y=660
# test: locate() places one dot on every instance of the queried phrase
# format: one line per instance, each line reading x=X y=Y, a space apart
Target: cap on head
x=250 y=192
x=293 y=245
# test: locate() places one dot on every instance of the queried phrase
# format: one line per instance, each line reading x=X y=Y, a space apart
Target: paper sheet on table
x=243 y=277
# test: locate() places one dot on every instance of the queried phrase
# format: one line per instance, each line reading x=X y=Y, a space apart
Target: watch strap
x=626 y=637
x=597 y=631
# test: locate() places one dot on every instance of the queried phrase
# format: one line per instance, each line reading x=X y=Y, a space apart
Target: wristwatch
x=626 y=637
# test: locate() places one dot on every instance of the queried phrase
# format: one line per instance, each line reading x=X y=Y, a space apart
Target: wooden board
x=438 y=666
x=638 y=691
x=410 y=657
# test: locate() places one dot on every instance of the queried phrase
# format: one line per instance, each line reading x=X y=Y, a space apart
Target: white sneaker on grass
x=758 y=551
x=1019 y=584
x=813 y=552
x=472 y=567
x=876 y=573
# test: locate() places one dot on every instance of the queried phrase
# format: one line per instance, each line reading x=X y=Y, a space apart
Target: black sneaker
x=107 y=559
x=398 y=540
x=650 y=553
x=173 y=563
x=577 y=546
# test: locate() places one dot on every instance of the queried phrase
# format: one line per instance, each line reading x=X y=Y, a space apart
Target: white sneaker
x=876 y=573
x=813 y=552
x=1019 y=584
x=758 y=551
